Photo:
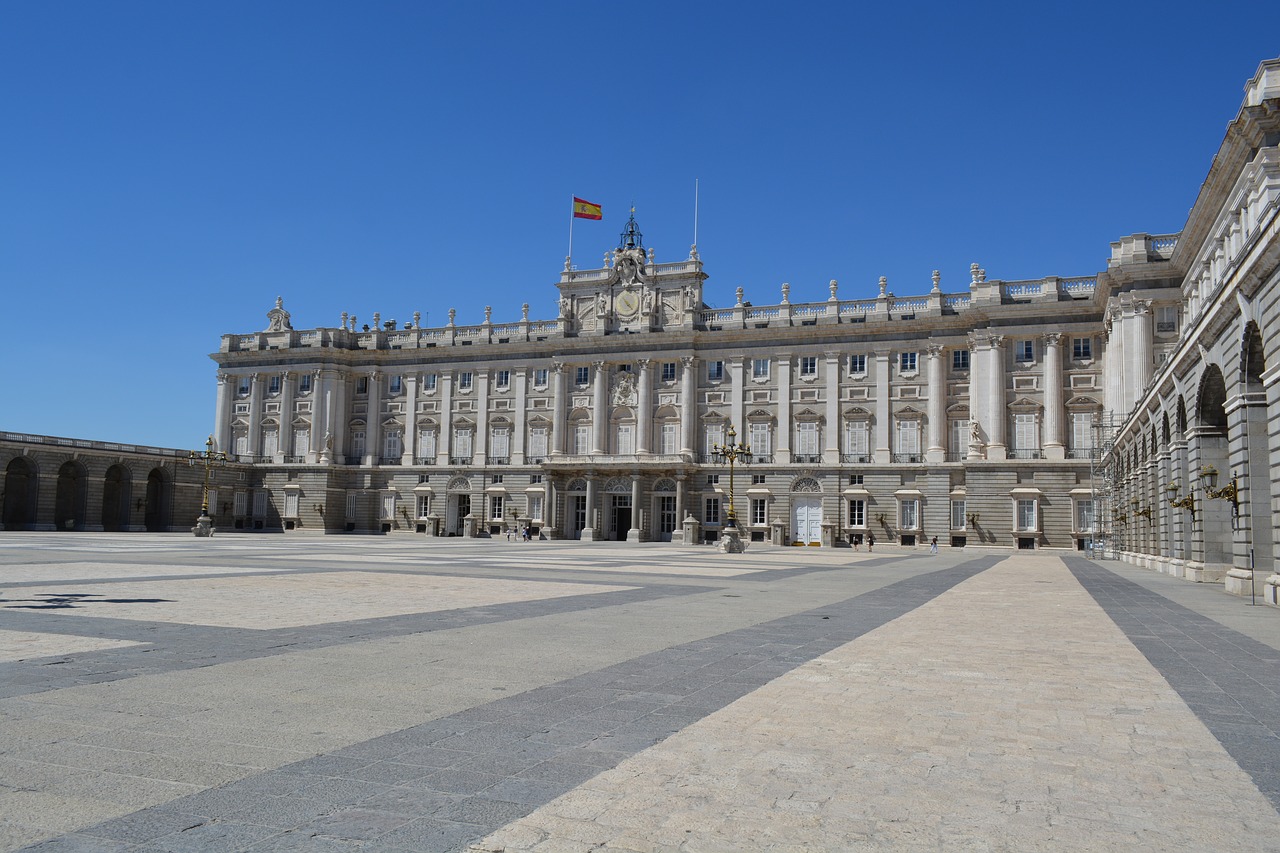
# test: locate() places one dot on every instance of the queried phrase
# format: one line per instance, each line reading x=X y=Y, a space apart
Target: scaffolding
x=1102 y=480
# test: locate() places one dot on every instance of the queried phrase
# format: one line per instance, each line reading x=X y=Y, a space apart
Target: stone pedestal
x=633 y=535
x=470 y=527
x=1271 y=590
x=1198 y=572
x=1239 y=582
x=589 y=534
x=204 y=526
x=731 y=541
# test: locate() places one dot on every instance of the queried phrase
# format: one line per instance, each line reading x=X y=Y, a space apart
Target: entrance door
x=666 y=517
x=458 y=509
x=577 y=515
x=621 y=516
x=806 y=520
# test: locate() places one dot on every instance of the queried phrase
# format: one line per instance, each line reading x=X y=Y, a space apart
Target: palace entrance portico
x=634 y=499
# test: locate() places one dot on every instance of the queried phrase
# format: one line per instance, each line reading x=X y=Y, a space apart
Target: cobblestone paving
x=612 y=697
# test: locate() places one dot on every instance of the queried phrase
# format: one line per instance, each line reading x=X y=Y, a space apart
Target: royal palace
x=1132 y=412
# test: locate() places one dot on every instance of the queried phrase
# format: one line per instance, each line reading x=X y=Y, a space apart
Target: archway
x=1209 y=459
x=70 y=497
x=21 y=489
x=158 y=509
x=116 y=486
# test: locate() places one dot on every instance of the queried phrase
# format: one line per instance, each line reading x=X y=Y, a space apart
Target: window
x=713 y=480
x=960 y=359
x=711 y=511
x=429 y=382
x=427 y=444
x=757 y=479
x=857 y=512
x=1026 y=433
x=362 y=385
x=240 y=504
x=626 y=439
x=807 y=440
x=958 y=519
x=242 y=387
x=304 y=383
x=909 y=439
x=669 y=439
x=535 y=507
x=396 y=385
x=424 y=506
x=500 y=445
x=714 y=436
x=350 y=511
x=582 y=376
x=273 y=385
x=582 y=439
x=1167 y=318
x=808 y=365
x=1081 y=348
x=495 y=479
x=540 y=377
x=855 y=479
x=761 y=443
x=502 y=379
x=357 y=442
x=534 y=479
x=495 y=507
x=668 y=371
x=1026 y=514
x=1025 y=350
x=1081 y=431
x=857 y=364
x=759 y=368
x=462 y=443
x=301 y=441
x=907 y=362
x=856 y=439
x=960 y=433
x=909 y=514
x=1085 y=515
x=465 y=380
x=424 y=478
x=715 y=371
x=537 y=443
x=758 y=506
x=392 y=446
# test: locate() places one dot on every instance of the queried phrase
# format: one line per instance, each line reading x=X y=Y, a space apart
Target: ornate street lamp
x=208 y=458
x=731 y=452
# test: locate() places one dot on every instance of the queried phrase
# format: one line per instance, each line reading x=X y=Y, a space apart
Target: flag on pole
x=583 y=209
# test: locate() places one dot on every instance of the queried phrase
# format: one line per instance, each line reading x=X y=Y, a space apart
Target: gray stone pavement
x=365 y=693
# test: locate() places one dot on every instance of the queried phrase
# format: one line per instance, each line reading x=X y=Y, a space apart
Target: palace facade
x=1133 y=412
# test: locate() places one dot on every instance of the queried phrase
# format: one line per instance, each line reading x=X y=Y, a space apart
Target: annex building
x=1083 y=412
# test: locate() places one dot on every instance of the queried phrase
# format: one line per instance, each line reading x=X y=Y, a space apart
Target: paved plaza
x=254 y=692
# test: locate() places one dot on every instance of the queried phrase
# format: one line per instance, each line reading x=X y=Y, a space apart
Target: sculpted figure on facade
x=624 y=393
x=278 y=318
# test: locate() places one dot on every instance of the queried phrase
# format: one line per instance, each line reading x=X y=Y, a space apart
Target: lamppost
x=208 y=458
x=731 y=541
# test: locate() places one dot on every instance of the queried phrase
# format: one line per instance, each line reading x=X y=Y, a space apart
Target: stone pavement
x=160 y=693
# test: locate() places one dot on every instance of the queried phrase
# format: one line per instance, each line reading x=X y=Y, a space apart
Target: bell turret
x=631 y=238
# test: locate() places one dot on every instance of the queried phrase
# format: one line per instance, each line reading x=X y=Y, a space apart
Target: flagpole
x=568 y=261
x=695 y=213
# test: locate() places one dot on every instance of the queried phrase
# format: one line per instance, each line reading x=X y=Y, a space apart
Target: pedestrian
x=933 y=546
x=871 y=543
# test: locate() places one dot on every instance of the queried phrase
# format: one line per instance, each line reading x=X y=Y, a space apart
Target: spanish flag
x=586 y=210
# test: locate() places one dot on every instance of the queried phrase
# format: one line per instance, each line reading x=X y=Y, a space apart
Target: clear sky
x=168 y=169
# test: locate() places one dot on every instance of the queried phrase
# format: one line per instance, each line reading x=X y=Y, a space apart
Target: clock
x=628 y=302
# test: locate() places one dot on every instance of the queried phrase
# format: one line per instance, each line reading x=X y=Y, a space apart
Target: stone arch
x=117 y=484
x=21 y=491
x=1180 y=416
x=159 y=496
x=1211 y=400
x=459 y=484
x=806 y=484
x=666 y=484
x=578 y=484
x=71 y=497
x=1164 y=427
x=618 y=485
x=1252 y=359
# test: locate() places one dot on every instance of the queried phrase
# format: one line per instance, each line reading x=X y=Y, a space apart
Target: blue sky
x=168 y=169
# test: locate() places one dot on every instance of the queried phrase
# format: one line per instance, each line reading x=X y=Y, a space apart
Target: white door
x=806 y=520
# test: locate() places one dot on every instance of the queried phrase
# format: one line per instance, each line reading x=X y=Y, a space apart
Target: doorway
x=666 y=517
x=620 y=512
x=459 y=508
x=806 y=520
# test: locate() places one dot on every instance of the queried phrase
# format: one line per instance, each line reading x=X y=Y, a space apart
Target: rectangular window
x=807 y=439
x=301 y=441
x=304 y=383
x=715 y=371
x=500 y=445
x=1085 y=515
x=757 y=479
x=761 y=445
x=426 y=444
x=909 y=438
x=960 y=359
x=1081 y=348
x=350 y=513
x=1167 y=318
x=396 y=385
x=242 y=387
x=1026 y=514
x=362 y=384
x=759 y=368
x=958 y=515
x=495 y=479
x=909 y=514
x=857 y=512
x=260 y=503
x=582 y=439
x=626 y=439
x=1025 y=350
x=959 y=438
x=711 y=513
x=495 y=507
x=713 y=479
x=668 y=371
x=534 y=479
x=462 y=444
x=273 y=385
x=424 y=506
x=240 y=504
x=537 y=443
x=535 y=507
x=429 y=382
x=669 y=439
x=808 y=365
x=582 y=376
x=357 y=443
x=465 y=380
x=714 y=437
x=856 y=438
x=907 y=362
x=1081 y=431
x=855 y=480
x=857 y=364
x=540 y=377
x=502 y=379
x=1026 y=432
x=213 y=501
x=758 y=506
x=392 y=448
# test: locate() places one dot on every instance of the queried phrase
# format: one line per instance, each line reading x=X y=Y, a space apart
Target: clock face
x=628 y=302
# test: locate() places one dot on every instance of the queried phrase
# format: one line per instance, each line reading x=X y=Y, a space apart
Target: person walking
x=871 y=543
x=933 y=546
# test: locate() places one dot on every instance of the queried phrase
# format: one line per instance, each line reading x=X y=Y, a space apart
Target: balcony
x=855 y=458
x=389 y=460
x=1037 y=453
x=295 y=460
x=806 y=459
x=499 y=460
x=535 y=460
x=425 y=460
x=1081 y=453
x=957 y=455
x=908 y=458
x=459 y=460
x=354 y=460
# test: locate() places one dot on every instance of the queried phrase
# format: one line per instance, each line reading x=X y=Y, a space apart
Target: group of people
x=525 y=533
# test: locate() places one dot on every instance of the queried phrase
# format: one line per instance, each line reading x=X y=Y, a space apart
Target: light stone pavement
x=160 y=693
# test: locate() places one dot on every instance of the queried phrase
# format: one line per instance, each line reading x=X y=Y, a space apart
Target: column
x=996 y=447
x=481 y=444
x=831 y=451
x=599 y=409
x=782 y=441
x=936 y=450
x=284 y=446
x=883 y=364
x=689 y=406
x=373 y=421
x=222 y=415
x=559 y=424
x=410 y=446
x=255 y=415
x=1054 y=448
x=644 y=417
x=520 y=429
x=1113 y=361
x=680 y=480
x=444 y=441
x=633 y=535
x=737 y=413
x=589 y=532
x=978 y=427
x=337 y=412
x=320 y=426
x=1138 y=347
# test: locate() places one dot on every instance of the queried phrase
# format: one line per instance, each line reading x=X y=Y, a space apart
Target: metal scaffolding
x=1102 y=478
